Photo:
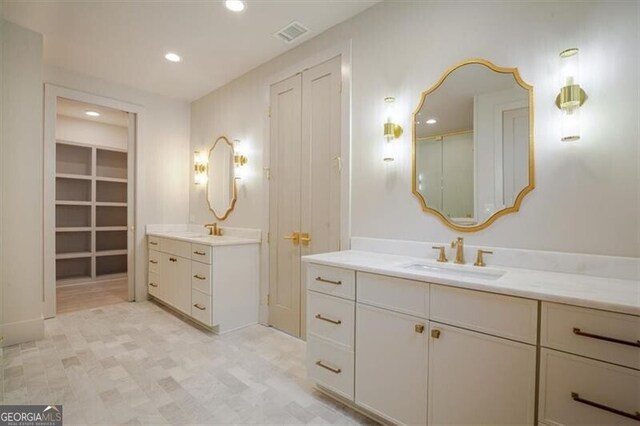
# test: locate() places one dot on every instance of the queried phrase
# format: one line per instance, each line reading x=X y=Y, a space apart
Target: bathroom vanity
x=211 y=279
x=413 y=341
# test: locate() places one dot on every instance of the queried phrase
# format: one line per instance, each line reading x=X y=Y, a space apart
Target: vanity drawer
x=596 y=334
x=505 y=316
x=201 y=307
x=201 y=253
x=201 y=277
x=153 y=242
x=154 y=261
x=567 y=379
x=396 y=294
x=330 y=365
x=175 y=247
x=332 y=318
x=329 y=280
x=153 y=284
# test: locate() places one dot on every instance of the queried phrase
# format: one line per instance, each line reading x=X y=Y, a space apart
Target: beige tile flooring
x=71 y=298
x=136 y=363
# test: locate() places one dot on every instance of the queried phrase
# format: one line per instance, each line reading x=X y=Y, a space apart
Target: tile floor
x=136 y=363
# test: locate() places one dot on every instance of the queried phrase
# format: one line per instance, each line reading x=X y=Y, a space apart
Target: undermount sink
x=485 y=274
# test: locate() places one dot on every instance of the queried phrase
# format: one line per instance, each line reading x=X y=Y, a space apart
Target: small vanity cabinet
x=217 y=286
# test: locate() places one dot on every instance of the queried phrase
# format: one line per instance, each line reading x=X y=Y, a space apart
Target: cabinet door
x=480 y=379
x=181 y=285
x=165 y=290
x=391 y=364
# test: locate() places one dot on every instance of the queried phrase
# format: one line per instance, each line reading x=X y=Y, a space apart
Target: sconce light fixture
x=571 y=96
x=199 y=168
x=391 y=129
x=239 y=159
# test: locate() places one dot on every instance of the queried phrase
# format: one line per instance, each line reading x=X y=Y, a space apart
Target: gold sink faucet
x=214 y=229
x=458 y=244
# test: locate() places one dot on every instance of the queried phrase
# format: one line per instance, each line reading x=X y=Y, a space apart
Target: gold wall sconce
x=392 y=130
x=239 y=159
x=200 y=165
x=571 y=96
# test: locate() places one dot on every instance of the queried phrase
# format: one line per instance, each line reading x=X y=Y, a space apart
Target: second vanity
x=414 y=341
x=211 y=279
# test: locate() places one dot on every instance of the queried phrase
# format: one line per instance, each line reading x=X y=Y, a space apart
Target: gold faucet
x=480 y=258
x=458 y=244
x=214 y=229
x=442 y=256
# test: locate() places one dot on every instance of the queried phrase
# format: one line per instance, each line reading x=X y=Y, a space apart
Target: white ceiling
x=125 y=41
x=76 y=109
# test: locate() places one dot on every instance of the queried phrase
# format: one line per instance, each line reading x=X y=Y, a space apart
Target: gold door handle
x=155 y=262
x=419 y=328
x=153 y=285
x=328 y=367
x=199 y=277
x=199 y=306
x=332 y=321
x=305 y=239
x=294 y=237
x=435 y=334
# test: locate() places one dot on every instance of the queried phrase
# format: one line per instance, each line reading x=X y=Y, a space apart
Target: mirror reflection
x=473 y=145
x=221 y=184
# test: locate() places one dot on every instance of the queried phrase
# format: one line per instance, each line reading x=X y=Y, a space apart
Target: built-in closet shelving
x=91 y=212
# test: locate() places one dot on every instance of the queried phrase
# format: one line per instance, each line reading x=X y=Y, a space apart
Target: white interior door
x=284 y=205
x=305 y=185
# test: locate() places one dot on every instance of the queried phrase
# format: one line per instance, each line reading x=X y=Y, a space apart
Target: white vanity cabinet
x=589 y=367
x=217 y=286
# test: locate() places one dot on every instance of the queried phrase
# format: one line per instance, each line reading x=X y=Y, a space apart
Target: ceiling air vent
x=292 y=32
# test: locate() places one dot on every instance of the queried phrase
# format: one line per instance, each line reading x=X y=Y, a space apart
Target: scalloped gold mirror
x=221 y=180
x=473 y=145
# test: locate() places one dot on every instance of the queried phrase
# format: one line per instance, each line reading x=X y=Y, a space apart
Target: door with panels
x=304 y=187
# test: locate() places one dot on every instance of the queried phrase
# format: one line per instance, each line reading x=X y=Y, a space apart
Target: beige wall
x=162 y=157
x=586 y=199
x=21 y=185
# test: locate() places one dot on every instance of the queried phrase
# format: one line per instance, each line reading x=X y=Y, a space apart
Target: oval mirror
x=221 y=182
x=473 y=145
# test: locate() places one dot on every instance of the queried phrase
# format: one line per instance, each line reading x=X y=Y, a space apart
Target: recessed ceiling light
x=235 y=5
x=92 y=113
x=172 y=57
x=432 y=121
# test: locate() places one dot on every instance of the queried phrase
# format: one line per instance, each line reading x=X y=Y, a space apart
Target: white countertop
x=198 y=238
x=581 y=290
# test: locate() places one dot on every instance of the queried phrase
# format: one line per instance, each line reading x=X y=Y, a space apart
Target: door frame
x=342 y=49
x=51 y=93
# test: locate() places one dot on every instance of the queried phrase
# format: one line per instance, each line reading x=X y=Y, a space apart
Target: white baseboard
x=22 y=331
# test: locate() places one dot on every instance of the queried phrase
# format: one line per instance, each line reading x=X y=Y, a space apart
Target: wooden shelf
x=108 y=204
x=111 y=228
x=108 y=179
x=76 y=255
x=74 y=229
x=72 y=176
x=72 y=203
x=111 y=252
x=80 y=279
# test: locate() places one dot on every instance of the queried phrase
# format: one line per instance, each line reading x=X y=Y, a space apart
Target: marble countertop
x=200 y=238
x=580 y=290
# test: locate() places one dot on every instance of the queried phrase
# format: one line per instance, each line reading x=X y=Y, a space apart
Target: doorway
x=305 y=183
x=89 y=203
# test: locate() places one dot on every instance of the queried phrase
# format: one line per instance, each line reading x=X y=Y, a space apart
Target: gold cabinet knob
x=419 y=328
x=435 y=334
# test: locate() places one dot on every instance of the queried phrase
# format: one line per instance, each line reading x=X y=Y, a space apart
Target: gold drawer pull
x=435 y=334
x=327 y=367
x=576 y=397
x=419 y=328
x=322 y=280
x=332 y=321
x=173 y=259
x=200 y=277
x=153 y=243
x=155 y=262
x=153 y=285
x=199 y=306
x=199 y=253
x=579 y=332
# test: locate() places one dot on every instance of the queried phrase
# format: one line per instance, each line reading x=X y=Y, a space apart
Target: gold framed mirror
x=472 y=149
x=221 y=180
